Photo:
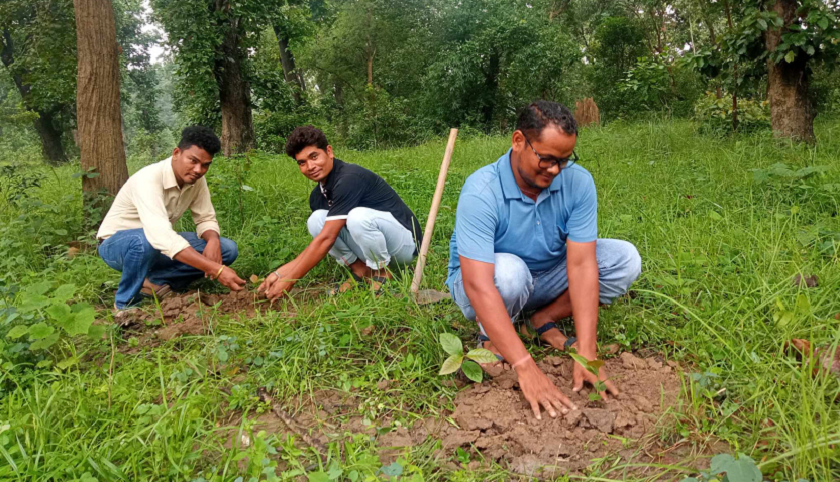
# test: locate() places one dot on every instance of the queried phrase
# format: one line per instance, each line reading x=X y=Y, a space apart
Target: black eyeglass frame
x=552 y=162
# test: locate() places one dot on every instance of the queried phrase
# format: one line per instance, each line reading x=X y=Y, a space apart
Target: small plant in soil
x=726 y=468
x=457 y=359
x=592 y=367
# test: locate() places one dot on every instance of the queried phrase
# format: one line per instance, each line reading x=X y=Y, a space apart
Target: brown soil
x=190 y=313
x=494 y=420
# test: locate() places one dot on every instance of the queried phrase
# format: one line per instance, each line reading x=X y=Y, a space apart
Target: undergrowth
x=723 y=227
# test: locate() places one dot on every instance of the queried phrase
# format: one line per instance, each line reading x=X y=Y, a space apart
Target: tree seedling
x=592 y=367
x=468 y=363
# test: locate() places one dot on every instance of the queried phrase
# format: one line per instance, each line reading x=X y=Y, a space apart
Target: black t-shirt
x=350 y=186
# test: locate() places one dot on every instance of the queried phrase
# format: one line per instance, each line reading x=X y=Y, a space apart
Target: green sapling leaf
x=482 y=355
x=473 y=371
x=451 y=364
x=451 y=344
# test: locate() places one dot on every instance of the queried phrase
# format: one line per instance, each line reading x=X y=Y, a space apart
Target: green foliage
x=708 y=294
x=742 y=469
x=715 y=115
x=41 y=318
x=468 y=363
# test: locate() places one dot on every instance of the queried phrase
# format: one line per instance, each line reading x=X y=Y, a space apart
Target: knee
x=316 y=221
x=358 y=221
x=230 y=251
x=141 y=246
x=632 y=264
x=512 y=277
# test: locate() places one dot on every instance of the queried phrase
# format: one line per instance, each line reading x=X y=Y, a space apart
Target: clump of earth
x=495 y=422
x=189 y=313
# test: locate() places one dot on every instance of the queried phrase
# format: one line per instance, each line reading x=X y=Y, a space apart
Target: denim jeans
x=129 y=252
x=619 y=264
x=373 y=236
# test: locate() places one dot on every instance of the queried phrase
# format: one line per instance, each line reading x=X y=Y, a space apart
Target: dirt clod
x=806 y=281
x=631 y=361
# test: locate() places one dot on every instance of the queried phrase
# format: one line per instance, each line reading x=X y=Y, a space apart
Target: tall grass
x=720 y=252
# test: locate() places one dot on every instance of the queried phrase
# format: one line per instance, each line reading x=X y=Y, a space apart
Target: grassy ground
x=720 y=250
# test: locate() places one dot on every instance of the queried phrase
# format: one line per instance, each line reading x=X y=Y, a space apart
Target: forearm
x=311 y=256
x=210 y=236
x=193 y=258
x=491 y=312
x=584 y=296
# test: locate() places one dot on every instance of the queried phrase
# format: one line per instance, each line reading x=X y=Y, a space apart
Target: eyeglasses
x=547 y=162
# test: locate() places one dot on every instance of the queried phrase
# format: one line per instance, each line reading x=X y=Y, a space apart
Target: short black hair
x=200 y=136
x=303 y=137
x=536 y=116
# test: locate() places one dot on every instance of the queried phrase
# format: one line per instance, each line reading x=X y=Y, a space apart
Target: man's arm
x=490 y=310
x=582 y=270
x=276 y=284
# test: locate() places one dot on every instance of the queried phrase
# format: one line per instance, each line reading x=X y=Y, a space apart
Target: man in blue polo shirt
x=526 y=238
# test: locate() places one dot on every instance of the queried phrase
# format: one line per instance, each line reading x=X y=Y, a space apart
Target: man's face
x=191 y=164
x=315 y=163
x=552 y=144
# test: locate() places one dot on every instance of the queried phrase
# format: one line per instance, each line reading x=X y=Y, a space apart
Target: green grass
x=719 y=251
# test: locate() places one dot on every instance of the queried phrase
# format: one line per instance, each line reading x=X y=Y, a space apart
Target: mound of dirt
x=189 y=313
x=498 y=421
x=494 y=419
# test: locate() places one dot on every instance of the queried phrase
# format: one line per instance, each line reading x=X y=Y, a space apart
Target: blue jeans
x=129 y=252
x=619 y=264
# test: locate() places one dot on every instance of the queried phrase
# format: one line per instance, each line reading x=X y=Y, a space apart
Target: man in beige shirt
x=136 y=236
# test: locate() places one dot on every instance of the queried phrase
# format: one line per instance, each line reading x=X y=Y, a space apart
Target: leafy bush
x=715 y=115
x=39 y=319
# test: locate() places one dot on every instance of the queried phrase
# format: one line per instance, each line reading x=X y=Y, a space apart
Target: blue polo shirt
x=494 y=216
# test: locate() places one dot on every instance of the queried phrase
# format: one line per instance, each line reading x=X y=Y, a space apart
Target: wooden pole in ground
x=430 y=223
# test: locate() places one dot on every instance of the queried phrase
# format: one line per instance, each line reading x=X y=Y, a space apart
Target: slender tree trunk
x=734 y=70
x=791 y=108
x=287 y=61
x=491 y=84
x=51 y=146
x=234 y=94
x=98 y=102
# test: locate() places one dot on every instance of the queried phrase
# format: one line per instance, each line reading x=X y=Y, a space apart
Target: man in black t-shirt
x=356 y=217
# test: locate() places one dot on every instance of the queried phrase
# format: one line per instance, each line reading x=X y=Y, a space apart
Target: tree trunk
x=51 y=146
x=791 y=109
x=234 y=94
x=287 y=60
x=491 y=84
x=98 y=102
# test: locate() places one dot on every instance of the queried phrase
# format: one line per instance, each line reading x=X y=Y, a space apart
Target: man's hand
x=581 y=374
x=213 y=250
x=539 y=390
x=229 y=278
x=277 y=282
x=275 y=287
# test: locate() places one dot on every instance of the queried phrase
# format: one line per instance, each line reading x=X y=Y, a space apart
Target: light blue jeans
x=373 y=236
x=619 y=264
x=128 y=251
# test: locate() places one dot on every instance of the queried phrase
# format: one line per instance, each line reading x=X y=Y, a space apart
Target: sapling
x=592 y=367
x=468 y=363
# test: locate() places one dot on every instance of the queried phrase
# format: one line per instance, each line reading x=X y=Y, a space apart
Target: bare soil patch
x=495 y=422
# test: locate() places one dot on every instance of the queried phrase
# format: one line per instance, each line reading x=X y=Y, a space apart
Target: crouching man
x=136 y=237
x=526 y=239
x=356 y=217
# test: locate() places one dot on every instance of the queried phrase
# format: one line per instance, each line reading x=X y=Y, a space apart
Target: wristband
x=220 y=272
x=521 y=360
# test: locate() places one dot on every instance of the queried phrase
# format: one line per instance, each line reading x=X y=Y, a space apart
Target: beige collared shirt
x=152 y=200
